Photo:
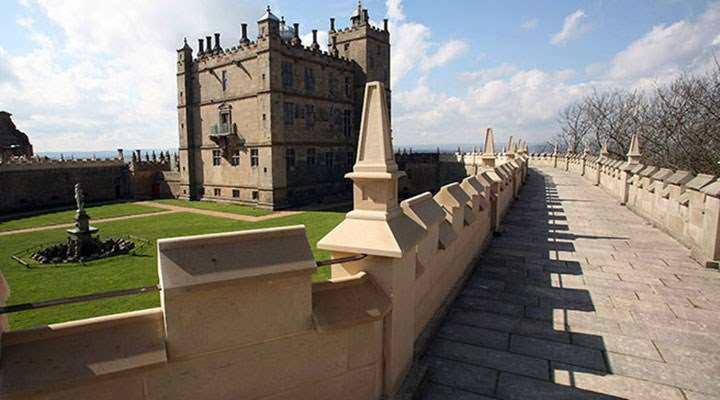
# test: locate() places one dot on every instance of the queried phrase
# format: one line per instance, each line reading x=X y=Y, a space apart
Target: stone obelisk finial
x=488 y=156
x=510 y=149
x=376 y=225
x=604 y=152
x=633 y=154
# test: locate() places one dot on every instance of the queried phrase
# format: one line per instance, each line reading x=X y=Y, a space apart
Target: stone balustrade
x=241 y=318
x=683 y=204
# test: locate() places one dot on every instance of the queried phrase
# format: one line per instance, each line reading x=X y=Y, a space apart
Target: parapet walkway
x=579 y=299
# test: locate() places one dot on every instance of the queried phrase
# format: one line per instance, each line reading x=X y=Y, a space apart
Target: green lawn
x=214 y=206
x=66 y=217
x=129 y=271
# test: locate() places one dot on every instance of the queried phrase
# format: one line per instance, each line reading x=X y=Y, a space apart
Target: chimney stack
x=244 y=39
x=296 y=35
x=208 y=44
x=217 y=42
x=201 y=47
x=315 y=46
x=334 y=50
x=332 y=24
x=385 y=24
x=120 y=156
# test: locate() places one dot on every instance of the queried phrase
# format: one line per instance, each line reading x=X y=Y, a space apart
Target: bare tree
x=678 y=123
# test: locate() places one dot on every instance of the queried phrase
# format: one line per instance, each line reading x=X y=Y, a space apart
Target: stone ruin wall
x=683 y=204
x=46 y=183
x=35 y=184
x=241 y=318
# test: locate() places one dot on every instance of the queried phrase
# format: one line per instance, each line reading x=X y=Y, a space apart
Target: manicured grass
x=66 y=217
x=122 y=272
x=214 y=206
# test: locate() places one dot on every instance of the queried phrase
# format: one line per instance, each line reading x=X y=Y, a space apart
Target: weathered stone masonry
x=241 y=318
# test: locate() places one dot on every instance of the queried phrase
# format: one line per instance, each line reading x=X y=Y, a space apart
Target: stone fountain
x=82 y=243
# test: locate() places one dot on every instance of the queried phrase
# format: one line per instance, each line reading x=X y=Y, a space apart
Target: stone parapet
x=46 y=164
x=683 y=204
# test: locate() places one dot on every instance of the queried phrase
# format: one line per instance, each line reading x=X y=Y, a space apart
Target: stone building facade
x=13 y=143
x=272 y=122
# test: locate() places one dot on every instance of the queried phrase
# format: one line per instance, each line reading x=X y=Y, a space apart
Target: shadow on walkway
x=506 y=336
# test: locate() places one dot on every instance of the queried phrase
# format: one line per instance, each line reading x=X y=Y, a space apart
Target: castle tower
x=369 y=48
x=187 y=144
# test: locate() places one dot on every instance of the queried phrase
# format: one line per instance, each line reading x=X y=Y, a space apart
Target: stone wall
x=35 y=184
x=683 y=204
x=241 y=318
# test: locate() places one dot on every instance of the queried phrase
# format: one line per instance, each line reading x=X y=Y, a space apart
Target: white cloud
x=395 y=10
x=447 y=52
x=108 y=79
x=668 y=50
x=573 y=27
x=530 y=24
x=412 y=45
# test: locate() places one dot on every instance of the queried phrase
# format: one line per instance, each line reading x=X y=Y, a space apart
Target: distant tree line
x=678 y=123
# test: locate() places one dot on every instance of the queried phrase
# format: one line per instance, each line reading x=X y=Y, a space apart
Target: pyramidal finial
x=555 y=149
x=634 y=152
x=376 y=225
x=488 y=156
x=489 y=142
x=604 y=152
x=509 y=146
x=375 y=152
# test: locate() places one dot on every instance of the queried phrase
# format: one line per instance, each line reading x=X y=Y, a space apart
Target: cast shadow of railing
x=511 y=319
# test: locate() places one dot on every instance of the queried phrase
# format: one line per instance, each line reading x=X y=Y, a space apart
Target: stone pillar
x=377 y=227
x=555 y=157
x=633 y=160
x=488 y=156
x=711 y=225
x=234 y=289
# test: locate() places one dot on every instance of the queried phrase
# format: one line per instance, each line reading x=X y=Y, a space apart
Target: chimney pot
x=296 y=29
x=244 y=33
x=217 y=42
x=332 y=24
x=208 y=44
x=385 y=24
x=201 y=47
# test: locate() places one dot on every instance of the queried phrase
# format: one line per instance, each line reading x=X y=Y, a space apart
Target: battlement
x=681 y=203
x=25 y=164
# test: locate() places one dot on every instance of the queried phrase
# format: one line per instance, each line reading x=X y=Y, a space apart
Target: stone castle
x=274 y=122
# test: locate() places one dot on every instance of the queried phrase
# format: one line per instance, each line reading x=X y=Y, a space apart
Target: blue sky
x=87 y=75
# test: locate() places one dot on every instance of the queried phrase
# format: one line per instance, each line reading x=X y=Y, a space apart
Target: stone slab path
x=579 y=299
x=221 y=214
x=94 y=221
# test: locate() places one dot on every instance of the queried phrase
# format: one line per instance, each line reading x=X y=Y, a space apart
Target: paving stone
x=490 y=358
x=574 y=282
x=643 y=348
x=433 y=391
x=616 y=385
x=516 y=387
x=477 y=336
x=566 y=353
x=504 y=323
x=463 y=376
x=494 y=306
x=699 y=380
x=686 y=356
x=690 y=395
